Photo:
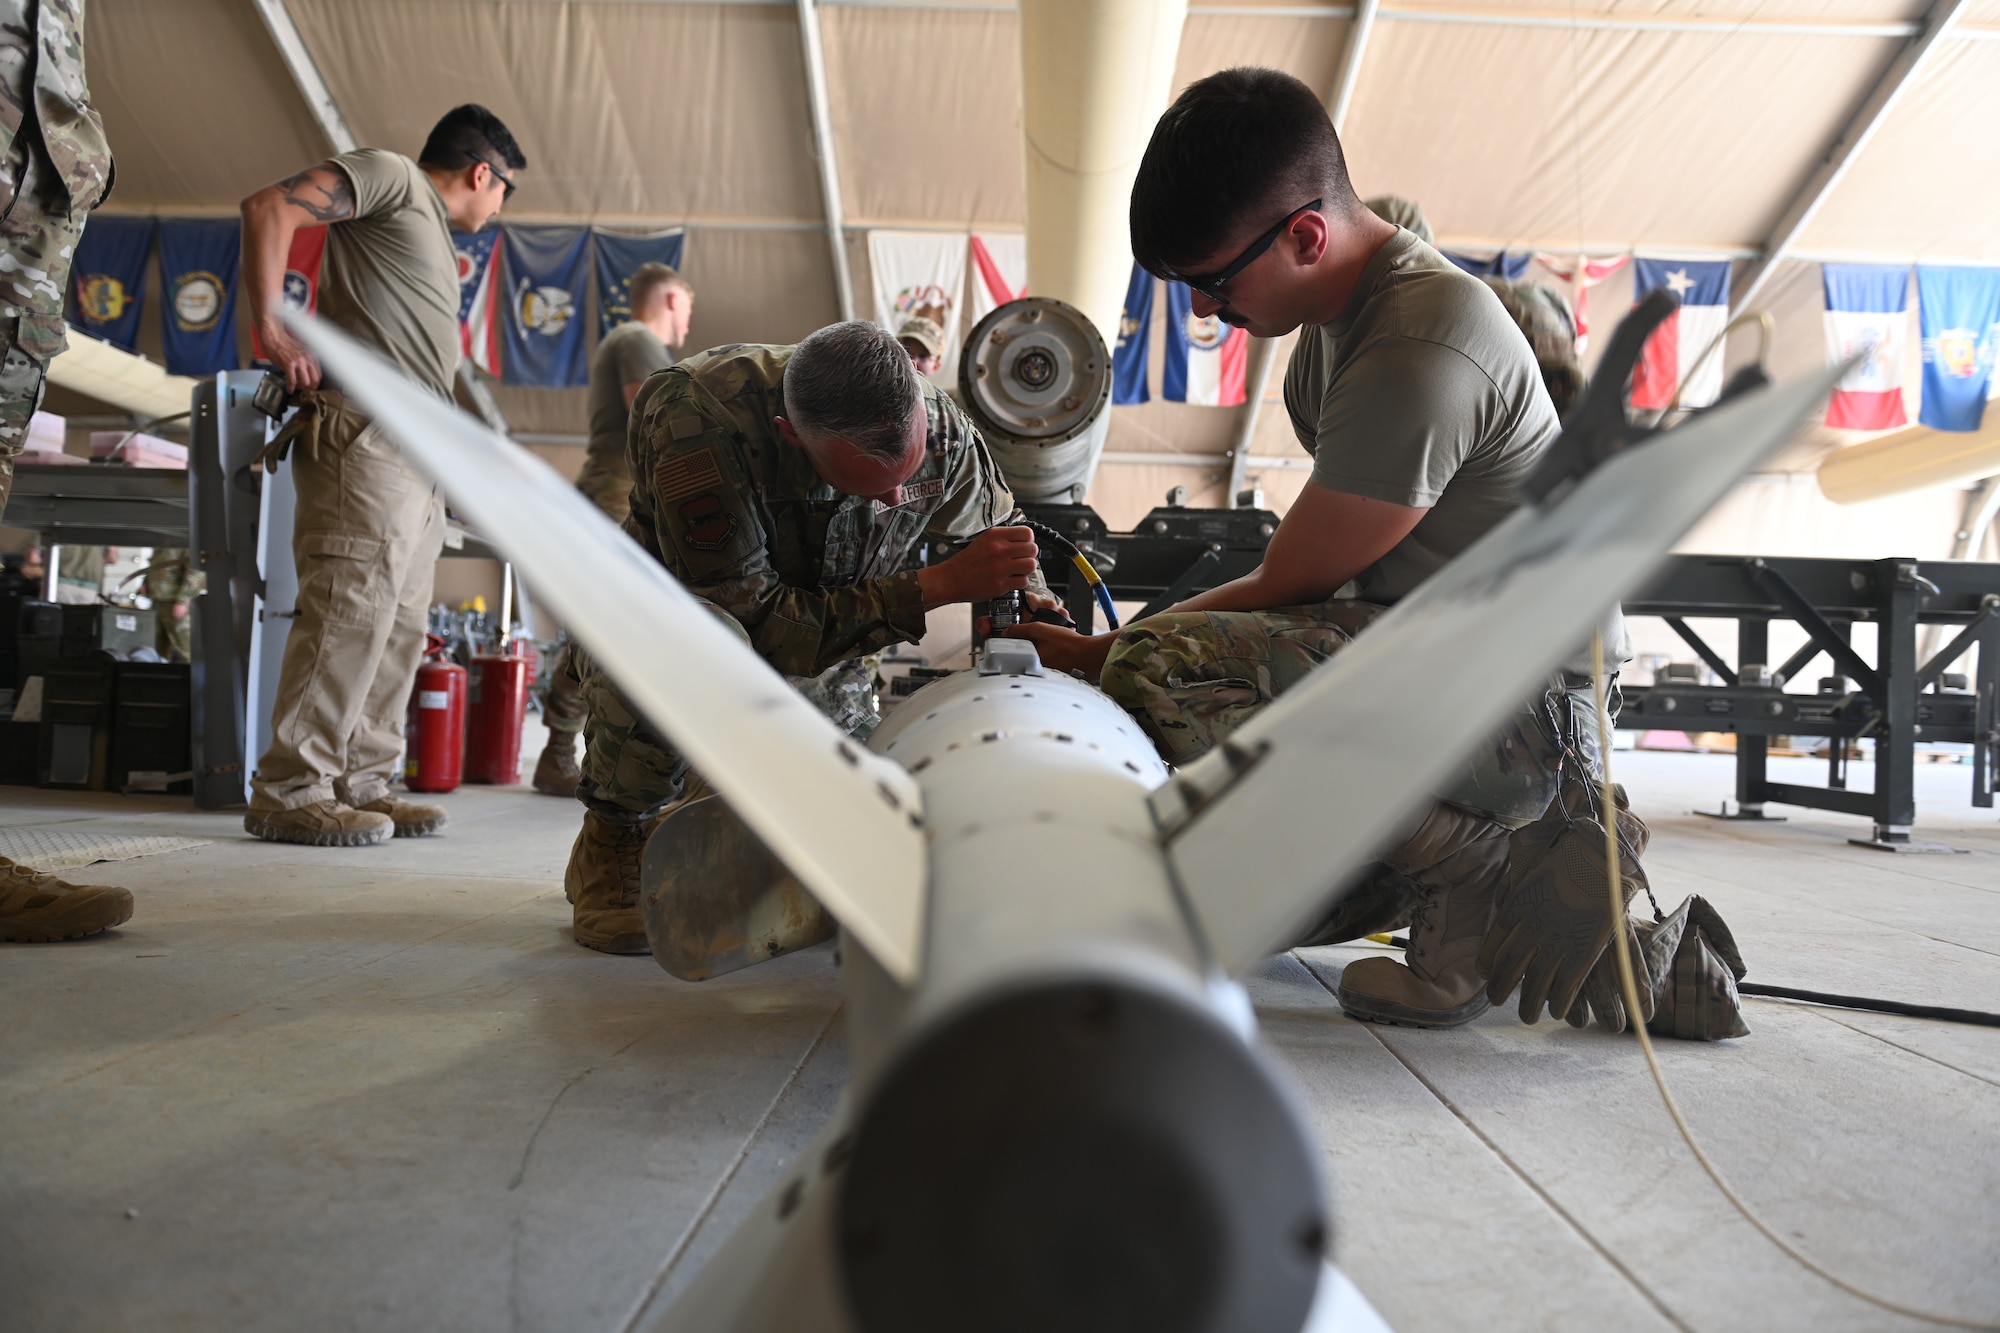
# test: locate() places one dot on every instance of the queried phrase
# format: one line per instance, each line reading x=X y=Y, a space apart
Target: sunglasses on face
x=1211 y=284
x=508 y=181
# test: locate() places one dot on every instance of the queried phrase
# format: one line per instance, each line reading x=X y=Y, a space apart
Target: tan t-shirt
x=626 y=355
x=391 y=275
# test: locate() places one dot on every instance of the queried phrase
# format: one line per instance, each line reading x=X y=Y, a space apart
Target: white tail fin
x=847 y=823
x=1261 y=830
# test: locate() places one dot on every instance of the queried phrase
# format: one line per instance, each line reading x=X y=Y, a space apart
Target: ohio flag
x=1672 y=353
x=1205 y=357
x=1867 y=313
x=478 y=329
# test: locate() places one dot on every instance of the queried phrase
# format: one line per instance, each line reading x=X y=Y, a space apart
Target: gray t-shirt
x=1423 y=392
x=391 y=275
x=626 y=355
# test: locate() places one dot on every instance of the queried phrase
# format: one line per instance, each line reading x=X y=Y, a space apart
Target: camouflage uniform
x=814 y=579
x=172 y=582
x=1544 y=316
x=55 y=166
x=608 y=485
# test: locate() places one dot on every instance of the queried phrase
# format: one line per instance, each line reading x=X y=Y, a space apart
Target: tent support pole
x=1841 y=154
x=829 y=170
x=1263 y=351
x=305 y=73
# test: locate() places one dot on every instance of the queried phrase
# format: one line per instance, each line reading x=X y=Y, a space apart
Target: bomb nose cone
x=1081 y=1157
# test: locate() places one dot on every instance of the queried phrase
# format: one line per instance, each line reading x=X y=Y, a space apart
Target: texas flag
x=1867 y=313
x=478 y=328
x=1673 y=357
x=1205 y=357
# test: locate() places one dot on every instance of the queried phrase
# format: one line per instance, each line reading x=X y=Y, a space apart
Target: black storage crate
x=151 y=722
x=75 y=748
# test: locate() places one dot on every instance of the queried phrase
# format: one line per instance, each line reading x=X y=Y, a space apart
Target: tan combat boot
x=1438 y=986
x=603 y=884
x=407 y=818
x=37 y=908
x=327 y=824
x=556 y=772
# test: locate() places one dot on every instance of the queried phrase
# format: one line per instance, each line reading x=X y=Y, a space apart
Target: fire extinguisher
x=434 y=737
x=499 y=704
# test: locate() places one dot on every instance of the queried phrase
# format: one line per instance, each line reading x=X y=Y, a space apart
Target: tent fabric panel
x=1667 y=137
x=654 y=112
x=1929 y=182
x=896 y=78
x=197 y=105
x=1307 y=48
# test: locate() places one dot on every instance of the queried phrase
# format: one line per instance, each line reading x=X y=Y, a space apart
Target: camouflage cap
x=1544 y=316
x=1406 y=213
x=924 y=331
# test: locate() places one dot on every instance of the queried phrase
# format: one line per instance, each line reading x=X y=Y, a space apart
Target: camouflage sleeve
x=976 y=497
x=692 y=508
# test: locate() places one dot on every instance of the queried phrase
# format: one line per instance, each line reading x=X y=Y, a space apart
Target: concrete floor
x=381 y=1089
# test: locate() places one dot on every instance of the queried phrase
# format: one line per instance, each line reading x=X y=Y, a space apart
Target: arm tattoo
x=324 y=192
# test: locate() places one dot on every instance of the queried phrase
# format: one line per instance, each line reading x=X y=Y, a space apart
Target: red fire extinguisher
x=434 y=736
x=499 y=704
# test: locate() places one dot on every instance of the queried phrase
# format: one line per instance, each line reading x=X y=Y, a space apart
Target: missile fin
x=845 y=821
x=1320 y=780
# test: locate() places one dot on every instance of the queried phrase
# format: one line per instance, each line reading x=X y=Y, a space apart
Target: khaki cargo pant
x=608 y=484
x=366 y=536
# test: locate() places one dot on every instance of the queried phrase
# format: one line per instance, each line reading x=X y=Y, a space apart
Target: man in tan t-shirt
x=367 y=528
x=662 y=305
x=1423 y=408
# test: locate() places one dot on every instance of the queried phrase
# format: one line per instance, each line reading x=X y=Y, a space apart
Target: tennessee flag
x=302 y=263
x=1206 y=358
x=1867 y=312
x=478 y=329
x=1669 y=361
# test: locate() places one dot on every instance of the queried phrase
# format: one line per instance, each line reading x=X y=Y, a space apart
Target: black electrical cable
x=1977 y=1017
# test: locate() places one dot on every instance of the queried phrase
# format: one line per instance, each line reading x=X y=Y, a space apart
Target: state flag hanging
x=108 y=278
x=541 y=329
x=1501 y=264
x=1673 y=358
x=478 y=279
x=301 y=289
x=1960 y=310
x=1135 y=337
x=999 y=271
x=1581 y=274
x=198 y=263
x=619 y=255
x=1867 y=314
x=920 y=273
x=1205 y=358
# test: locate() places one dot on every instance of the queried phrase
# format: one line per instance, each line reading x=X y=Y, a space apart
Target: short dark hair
x=1243 y=145
x=651 y=277
x=854 y=380
x=469 y=134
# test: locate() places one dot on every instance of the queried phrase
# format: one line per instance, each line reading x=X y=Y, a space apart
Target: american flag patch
x=687 y=473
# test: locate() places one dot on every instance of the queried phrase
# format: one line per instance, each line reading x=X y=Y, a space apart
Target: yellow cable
x=1631 y=991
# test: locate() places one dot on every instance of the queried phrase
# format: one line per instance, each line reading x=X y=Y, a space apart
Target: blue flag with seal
x=619 y=255
x=1135 y=337
x=1960 y=313
x=541 y=332
x=198 y=262
x=1506 y=264
x=108 y=278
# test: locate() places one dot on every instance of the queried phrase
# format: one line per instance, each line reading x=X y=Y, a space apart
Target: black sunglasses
x=508 y=181
x=1210 y=284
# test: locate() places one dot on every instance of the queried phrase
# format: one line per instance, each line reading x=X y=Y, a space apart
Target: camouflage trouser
x=1193 y=678
x=37 y=241
x=607 y=483
x=630 y=772
x=171 y=582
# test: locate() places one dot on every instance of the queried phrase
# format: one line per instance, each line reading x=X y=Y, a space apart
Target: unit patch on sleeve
x=684 y=474
x=706 y=523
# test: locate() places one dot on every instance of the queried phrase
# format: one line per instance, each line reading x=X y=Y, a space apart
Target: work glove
x=1553 y=921
x=1603 y=996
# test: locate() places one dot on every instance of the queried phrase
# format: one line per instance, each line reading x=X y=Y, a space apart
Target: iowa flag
x=1670 y=360
x=1867 y=314
x=1206 y=358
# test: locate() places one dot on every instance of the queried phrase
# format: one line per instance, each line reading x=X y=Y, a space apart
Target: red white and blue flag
x=1206 y=358
x=478 y=325
x=1867 y=314
x=302 y=268
x=1673 y=359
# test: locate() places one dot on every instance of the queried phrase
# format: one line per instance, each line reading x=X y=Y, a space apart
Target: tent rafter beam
x=305 y=74
x=829 y=166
